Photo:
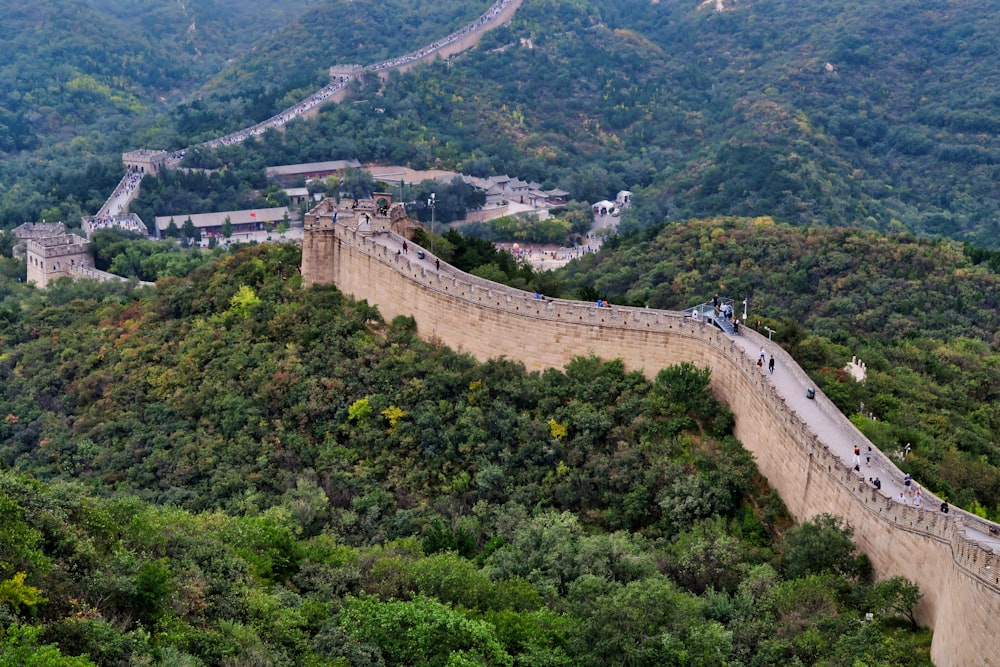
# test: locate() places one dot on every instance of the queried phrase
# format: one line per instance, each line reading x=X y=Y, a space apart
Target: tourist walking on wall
x=770 y=365
x=868 y=455
x=857 y=457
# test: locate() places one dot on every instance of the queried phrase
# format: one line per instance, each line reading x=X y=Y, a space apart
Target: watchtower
x=343 y=72
x=145 y=161
x=320 y=246
x=53 y=257
x=34 y=230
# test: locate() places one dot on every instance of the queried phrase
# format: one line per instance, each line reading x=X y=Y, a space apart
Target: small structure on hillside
x=604 y=207
x=299 y=196
x=34 y=230
x=210 y=224
x=53 y=257
x=858 y=370
x=289 y=174
x=146 y=161
x=50 y=253
x=344 y=72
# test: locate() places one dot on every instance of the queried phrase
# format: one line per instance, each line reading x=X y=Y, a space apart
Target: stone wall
x=957 y=576
x=53 y=257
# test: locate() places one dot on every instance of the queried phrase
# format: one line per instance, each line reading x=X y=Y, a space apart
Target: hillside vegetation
x=832 y=114
x=923 y=315
x=708 y=113
x=234 y=470
x=82 y=81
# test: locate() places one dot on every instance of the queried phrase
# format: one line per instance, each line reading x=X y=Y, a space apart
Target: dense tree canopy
x=234 y=470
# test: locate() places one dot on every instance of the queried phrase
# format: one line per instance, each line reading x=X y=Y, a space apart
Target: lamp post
x=430 y=202
x=745 y=310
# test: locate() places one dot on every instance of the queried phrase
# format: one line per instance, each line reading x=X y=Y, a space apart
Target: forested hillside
x=82 y=81
x=232 y=470
x=228 y=469
x=923 y=315
x=75 y=64
x=78 y=78
x=874 y=115
x=834 y=113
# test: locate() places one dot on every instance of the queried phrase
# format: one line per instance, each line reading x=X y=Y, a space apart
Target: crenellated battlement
x=955 y=572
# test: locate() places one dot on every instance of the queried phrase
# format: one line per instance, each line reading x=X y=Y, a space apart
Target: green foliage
x=360 y=410
x=243 y=302
x=274 y=520
x=896 y=596
x=20 y=648
x=17 y=595
x=127 y=255
x=422 y=631
x=821 y=545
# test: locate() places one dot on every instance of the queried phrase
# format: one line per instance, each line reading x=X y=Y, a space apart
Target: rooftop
x=202 y=220
x=311 y=167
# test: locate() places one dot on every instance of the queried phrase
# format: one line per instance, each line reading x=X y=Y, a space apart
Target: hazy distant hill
x=72 y=63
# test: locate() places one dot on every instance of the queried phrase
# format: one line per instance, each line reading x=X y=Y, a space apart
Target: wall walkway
x=945 y=555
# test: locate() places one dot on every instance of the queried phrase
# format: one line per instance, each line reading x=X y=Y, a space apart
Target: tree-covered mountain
x=72 y=64
x=82 y=81
x=233 y=470
x=78 y=78
x=834 y=113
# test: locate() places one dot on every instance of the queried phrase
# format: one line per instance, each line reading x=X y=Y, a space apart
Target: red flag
x=253 y=214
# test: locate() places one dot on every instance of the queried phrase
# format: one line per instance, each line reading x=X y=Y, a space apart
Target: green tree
x=894 y=596
x=422 y=631
x=20 y=648
x=189 y=230
x=820 y=545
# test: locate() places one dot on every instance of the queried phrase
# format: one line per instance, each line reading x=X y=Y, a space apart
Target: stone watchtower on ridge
x=320 y=247
x=34 y=230
x=145 y=161
x=53 y=257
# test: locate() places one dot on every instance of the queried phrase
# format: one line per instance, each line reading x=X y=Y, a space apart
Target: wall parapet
x=962 y=589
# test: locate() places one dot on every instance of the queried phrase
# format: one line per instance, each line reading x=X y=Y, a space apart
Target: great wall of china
x=948 y=555
x=67 y=255
x=152 y=161
x=956 y=573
